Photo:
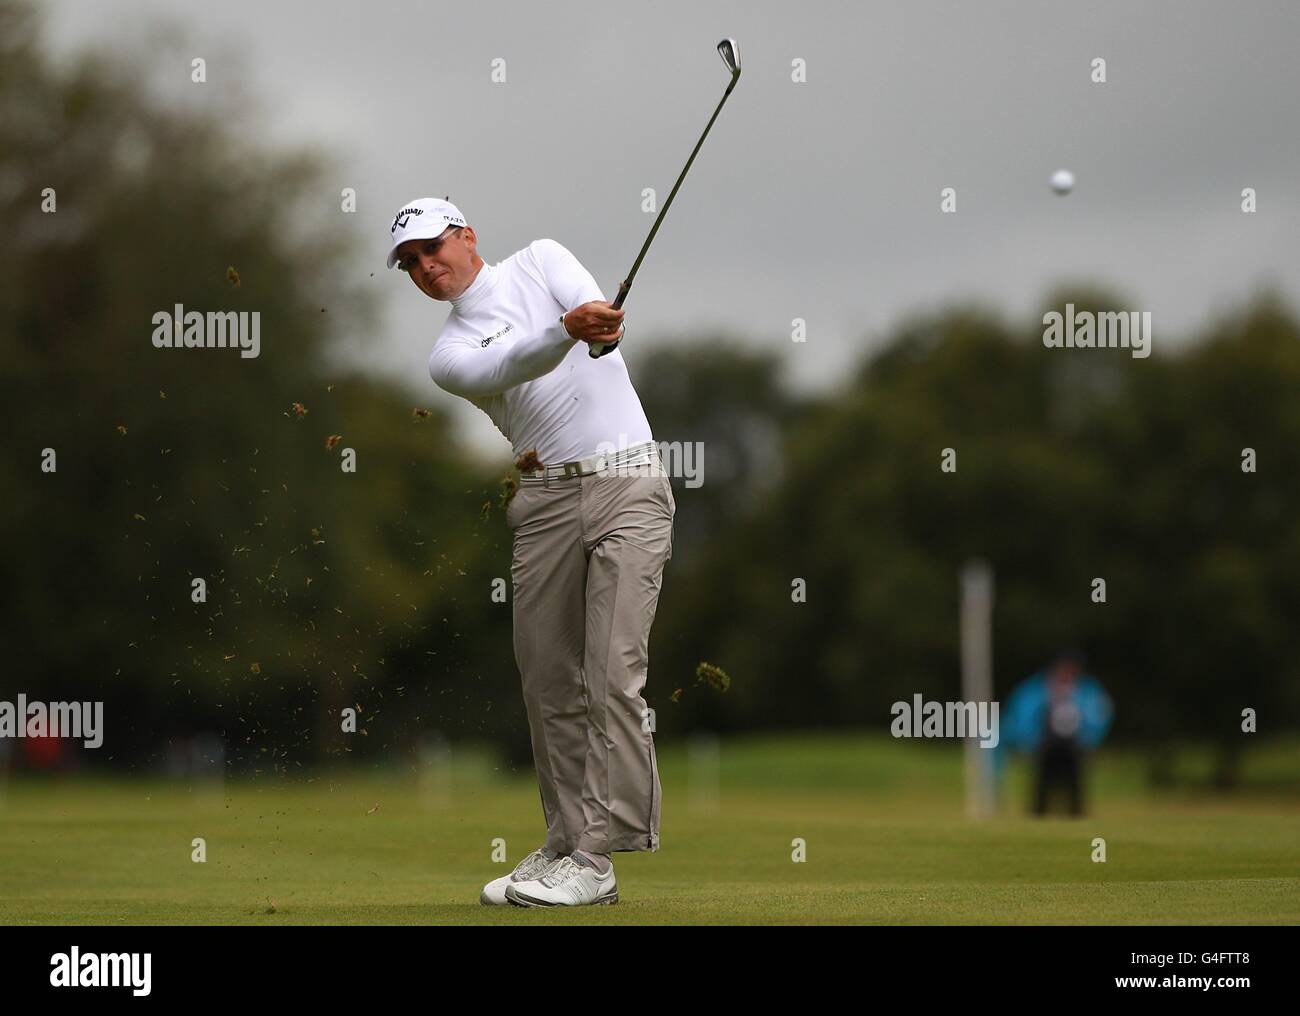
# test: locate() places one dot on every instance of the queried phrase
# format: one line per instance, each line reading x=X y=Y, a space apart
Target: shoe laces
x=532 y=865
x=566 y=869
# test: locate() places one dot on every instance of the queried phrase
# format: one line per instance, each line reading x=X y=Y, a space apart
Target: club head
x=730 y=53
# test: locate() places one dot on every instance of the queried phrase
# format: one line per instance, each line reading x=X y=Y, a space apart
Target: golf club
x=730 y=54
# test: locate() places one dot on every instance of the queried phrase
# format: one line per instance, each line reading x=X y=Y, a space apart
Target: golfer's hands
x=596 y=321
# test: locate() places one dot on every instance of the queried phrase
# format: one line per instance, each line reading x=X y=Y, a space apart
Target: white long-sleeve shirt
x=505 y=349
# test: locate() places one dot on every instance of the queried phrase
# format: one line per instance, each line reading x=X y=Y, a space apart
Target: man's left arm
x=570 y=284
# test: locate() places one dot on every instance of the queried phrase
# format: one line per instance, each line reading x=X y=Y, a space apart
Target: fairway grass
x=886 y=843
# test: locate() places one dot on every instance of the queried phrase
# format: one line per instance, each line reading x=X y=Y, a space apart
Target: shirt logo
x=488 y=341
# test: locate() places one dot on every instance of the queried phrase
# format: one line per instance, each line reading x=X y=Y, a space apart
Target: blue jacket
x=1023 y=721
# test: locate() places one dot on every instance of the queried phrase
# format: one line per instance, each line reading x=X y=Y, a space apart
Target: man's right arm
x=463 y=367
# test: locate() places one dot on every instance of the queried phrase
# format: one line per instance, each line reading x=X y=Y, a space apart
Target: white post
x=977 y=680
x=703 y=772
x=434 y=768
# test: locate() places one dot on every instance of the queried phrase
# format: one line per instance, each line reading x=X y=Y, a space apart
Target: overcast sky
x=816 y=200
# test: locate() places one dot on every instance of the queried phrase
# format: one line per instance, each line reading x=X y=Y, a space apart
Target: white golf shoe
x=535 y=865
x=568 y=884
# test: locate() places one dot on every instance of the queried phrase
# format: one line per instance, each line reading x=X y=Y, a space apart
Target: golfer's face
x=441 y=267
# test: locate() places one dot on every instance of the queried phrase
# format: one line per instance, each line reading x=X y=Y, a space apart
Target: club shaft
x=627 y=283
x=597 y=350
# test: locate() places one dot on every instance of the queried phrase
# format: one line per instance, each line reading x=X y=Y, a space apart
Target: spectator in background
x=1059 y=714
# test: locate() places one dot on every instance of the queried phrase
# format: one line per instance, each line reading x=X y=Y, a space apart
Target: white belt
x=637 y=455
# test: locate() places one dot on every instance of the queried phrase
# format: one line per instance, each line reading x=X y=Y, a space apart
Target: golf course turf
x=881 y=823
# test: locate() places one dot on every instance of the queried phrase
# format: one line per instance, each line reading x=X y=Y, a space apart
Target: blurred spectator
x=1059 y=714
x=197 y=758
x=46 y=753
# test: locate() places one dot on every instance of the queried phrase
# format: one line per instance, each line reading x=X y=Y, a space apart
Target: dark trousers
x=1060 y=764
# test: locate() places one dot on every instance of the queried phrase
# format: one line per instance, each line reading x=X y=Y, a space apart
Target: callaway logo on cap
x=404 y=216
x=422 y=220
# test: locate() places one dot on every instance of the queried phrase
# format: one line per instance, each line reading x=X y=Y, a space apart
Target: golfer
x=593 y=527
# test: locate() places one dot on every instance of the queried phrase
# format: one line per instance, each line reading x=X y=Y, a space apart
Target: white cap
x=422 y=219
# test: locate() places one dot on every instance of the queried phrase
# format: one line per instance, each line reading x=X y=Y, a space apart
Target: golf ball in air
x=1062 y=181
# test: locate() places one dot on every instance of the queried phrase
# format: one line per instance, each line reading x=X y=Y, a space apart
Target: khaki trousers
x=589 y=553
